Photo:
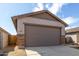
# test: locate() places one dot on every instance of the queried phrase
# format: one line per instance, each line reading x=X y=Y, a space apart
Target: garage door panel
x=41 y=36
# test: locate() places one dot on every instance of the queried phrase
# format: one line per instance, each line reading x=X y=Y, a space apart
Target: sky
x=68 y=12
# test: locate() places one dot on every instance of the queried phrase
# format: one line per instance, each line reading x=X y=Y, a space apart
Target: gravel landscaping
x=19 y=52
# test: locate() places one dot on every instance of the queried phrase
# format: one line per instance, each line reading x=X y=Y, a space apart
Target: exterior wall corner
x=62 y=39
x=20 y=40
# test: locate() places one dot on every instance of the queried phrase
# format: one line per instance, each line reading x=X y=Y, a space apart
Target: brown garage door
x=41 y=35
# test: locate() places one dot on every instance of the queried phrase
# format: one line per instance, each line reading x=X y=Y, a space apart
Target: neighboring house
x=3 y=38
x=41 y=28
x=74 y=34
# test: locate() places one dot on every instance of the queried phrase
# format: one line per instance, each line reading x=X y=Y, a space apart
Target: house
x=74 y=34
x=3 y=38
x=41 y=28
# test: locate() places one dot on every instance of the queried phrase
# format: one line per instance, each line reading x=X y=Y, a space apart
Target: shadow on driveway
x=4 y=51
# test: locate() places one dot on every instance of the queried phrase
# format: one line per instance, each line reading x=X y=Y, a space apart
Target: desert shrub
x=68 y=40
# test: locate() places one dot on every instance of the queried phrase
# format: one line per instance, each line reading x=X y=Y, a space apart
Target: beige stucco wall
x=78 y=38
x=1 y=36
x=73 y=36
x=31 y=20
x=5 y=39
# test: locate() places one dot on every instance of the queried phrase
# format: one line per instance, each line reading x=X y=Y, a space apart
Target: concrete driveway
x=52 y=51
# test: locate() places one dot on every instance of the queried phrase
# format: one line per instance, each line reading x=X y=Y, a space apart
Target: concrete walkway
x=52 y=51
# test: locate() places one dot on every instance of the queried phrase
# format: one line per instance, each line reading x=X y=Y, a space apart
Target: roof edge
x=14 y=18
x=4 y=30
